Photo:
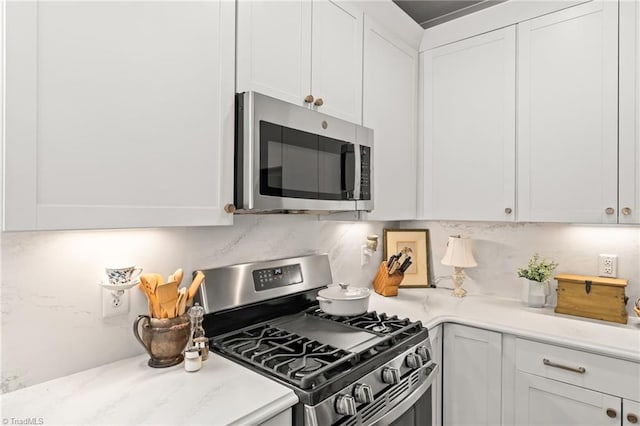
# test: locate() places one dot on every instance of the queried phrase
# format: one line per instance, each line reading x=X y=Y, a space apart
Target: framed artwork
x=417 y=241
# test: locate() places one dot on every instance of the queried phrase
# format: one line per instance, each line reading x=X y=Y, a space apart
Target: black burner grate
x=381 y=324
x=296 y=359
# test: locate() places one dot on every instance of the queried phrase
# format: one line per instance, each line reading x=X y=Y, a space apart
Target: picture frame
x=419 y=273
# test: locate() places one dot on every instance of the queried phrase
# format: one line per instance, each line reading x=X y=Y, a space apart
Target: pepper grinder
x=198 y=340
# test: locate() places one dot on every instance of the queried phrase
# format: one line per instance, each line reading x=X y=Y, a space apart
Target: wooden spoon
x=176 y=276
x=193 y=288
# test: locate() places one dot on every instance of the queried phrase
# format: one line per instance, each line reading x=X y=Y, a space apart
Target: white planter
x=535 y=293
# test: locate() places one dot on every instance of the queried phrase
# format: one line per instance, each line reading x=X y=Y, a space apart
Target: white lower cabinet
x=630 y=412
x=472 y=371
x=495 y=379
x=542 y=401
x=118 y=114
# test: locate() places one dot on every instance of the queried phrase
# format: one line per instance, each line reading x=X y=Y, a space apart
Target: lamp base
x=458 y=279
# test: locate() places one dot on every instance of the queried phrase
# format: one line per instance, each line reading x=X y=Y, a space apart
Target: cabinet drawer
x=598 y=372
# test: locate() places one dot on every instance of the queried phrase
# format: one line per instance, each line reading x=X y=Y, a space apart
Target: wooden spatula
x=181 y=304
x=168 y=296
x=148 y=284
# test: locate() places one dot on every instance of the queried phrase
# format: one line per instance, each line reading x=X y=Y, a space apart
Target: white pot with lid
x=344 y=300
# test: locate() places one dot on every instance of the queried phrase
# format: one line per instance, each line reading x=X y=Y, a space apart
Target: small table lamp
x=459 y=255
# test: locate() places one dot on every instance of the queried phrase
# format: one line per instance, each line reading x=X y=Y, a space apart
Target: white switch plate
x=608 y=265
x=113 y=306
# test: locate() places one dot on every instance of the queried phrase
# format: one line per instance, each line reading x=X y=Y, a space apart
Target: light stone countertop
x=129 y=392
x=436 y=306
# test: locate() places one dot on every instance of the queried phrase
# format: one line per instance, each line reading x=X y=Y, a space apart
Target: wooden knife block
x=385 y=284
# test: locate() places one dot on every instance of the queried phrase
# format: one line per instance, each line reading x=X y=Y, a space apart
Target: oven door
x=414 y=410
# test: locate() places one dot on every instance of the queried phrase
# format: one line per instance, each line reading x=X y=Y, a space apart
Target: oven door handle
x=395 y=413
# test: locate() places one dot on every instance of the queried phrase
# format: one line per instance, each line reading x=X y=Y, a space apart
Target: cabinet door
x=630 y=412
x=629 y=144
x=469 y=129
x=541 y=401
x=472 y=376
x=118 y=114
x=567 y=115
x=390 y=109
x=336 y=74
x=274 y=48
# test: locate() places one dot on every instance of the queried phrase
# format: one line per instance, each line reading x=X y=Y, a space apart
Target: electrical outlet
x=608 y=265
x=114 y=304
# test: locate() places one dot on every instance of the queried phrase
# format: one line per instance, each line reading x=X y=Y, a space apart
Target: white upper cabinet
x=274 y=48
x=336 y=64
x=629 y=121
x=304 y=52
x=390 y=109
x=469 y=129
x=567 y=115
x=118 y=114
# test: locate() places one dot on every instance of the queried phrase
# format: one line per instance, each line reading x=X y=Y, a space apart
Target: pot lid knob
x=343 y=286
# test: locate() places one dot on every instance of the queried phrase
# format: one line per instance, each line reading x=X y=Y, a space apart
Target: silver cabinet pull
x=580 y=370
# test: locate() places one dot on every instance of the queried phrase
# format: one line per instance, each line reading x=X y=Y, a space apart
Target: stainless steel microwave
x=289 y=158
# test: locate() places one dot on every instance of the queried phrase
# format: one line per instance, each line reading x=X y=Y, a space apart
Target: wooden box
x=592 y=297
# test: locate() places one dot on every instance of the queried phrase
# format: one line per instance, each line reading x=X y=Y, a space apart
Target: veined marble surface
x=49 y=292
x=128 y=392
x=506 y=315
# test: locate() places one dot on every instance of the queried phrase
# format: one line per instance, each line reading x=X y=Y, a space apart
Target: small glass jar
x=192 y=360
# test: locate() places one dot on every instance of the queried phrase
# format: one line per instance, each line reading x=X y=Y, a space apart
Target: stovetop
x=312 y=350
x=265 y=316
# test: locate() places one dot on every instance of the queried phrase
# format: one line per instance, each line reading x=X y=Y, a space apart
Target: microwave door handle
x=349 y=170
x=357 y=172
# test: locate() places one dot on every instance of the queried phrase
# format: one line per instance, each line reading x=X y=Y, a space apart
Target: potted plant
x=538 y=272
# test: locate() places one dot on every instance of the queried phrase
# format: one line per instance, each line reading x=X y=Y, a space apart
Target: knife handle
x=391 y=260
x=394 y=267
x=405 y=264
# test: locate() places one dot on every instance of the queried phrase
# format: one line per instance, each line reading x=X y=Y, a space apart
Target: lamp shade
x=459 y=253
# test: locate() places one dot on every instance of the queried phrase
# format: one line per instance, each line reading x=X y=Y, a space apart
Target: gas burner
x=302 y=366
x=296 y=359
x=380 y=328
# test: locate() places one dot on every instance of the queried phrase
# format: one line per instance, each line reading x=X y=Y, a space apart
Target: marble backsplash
x=51 y=305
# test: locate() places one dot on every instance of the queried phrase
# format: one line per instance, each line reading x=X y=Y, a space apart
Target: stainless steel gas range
x=367 y=369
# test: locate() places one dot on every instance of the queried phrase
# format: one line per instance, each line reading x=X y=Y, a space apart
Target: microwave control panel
x=365 y=178
x=281 y=276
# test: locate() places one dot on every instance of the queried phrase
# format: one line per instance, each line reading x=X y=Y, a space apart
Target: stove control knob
x=390 y=375
x=413 y=361
x=345 y=405
x=363 y=393
x=423 y=352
